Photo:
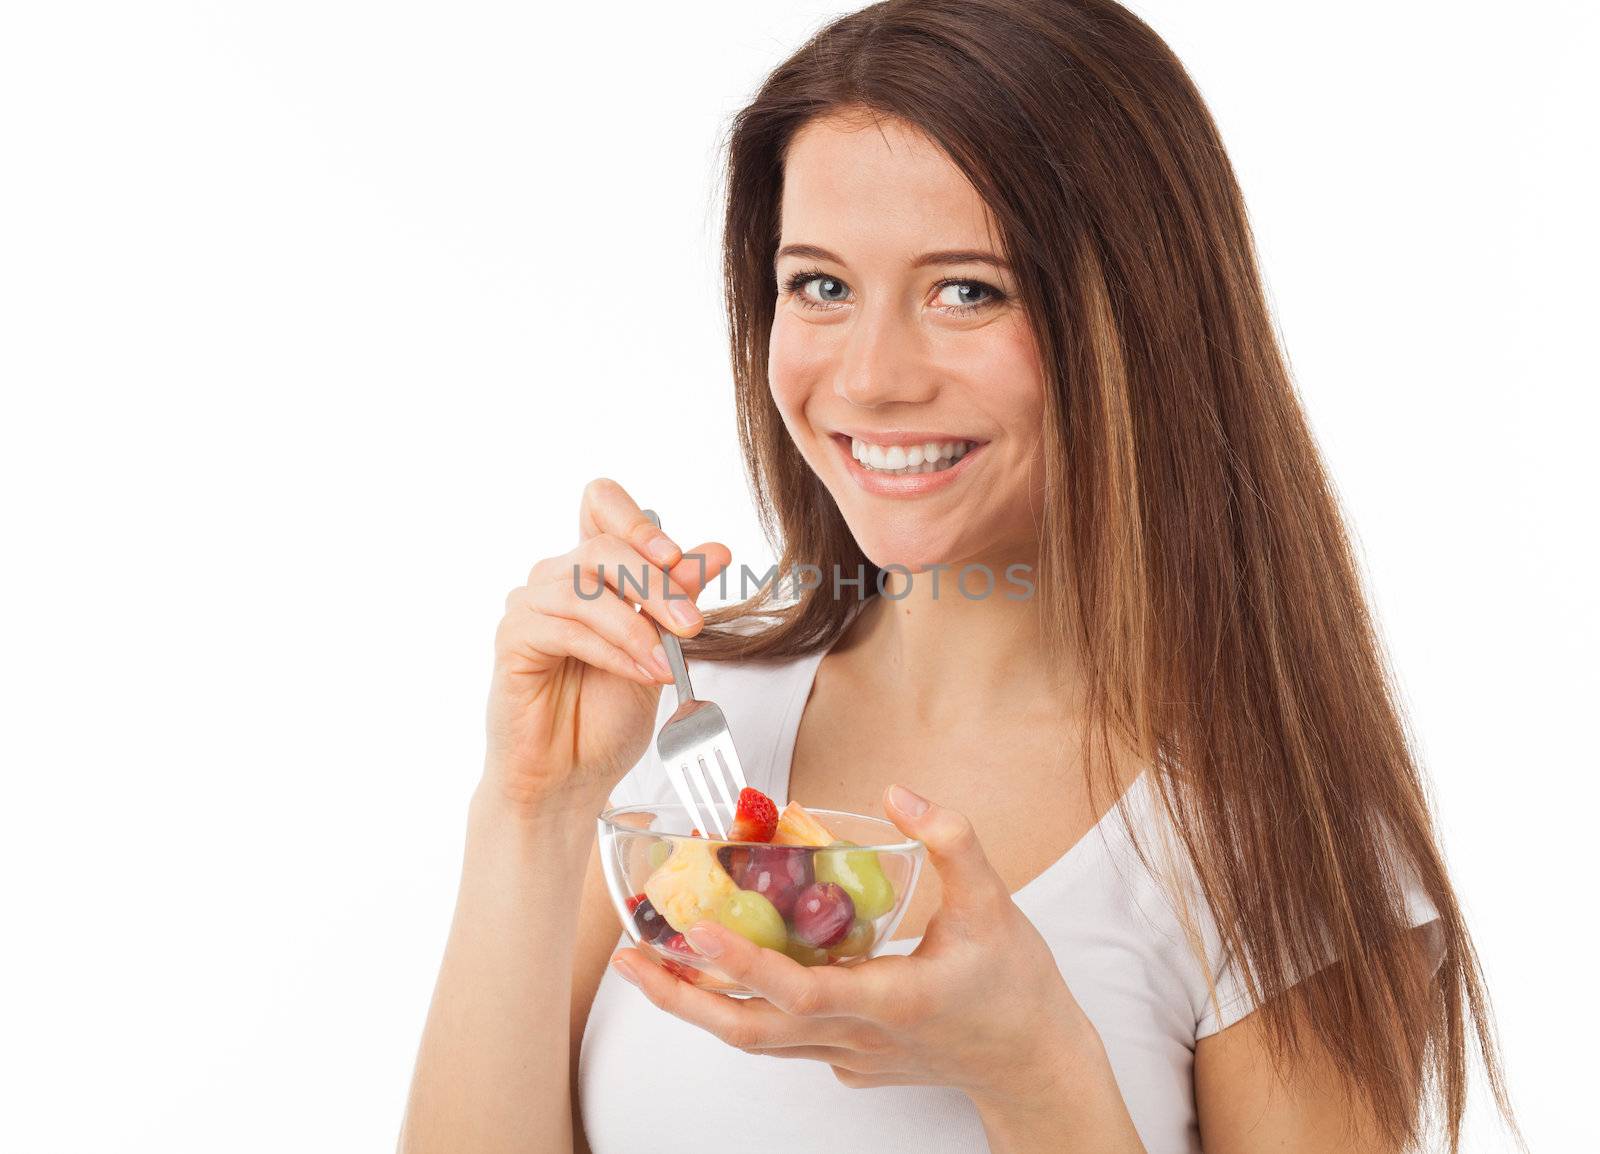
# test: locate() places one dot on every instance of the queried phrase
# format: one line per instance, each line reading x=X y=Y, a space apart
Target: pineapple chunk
x=797 y=827
x=689 y=886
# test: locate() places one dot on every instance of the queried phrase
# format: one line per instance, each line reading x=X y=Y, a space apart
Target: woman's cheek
x=796 y=360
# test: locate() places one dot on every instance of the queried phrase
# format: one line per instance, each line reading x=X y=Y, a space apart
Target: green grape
x=750 y=915
x=860 y=875
x=857 y=941
x=806 y=955
x=659 y=850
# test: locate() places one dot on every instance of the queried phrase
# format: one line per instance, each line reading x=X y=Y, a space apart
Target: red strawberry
x=755 y=818
x=695 y=833
x=633 y=902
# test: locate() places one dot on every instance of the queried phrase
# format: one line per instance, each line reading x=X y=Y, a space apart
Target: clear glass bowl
x=821 y=905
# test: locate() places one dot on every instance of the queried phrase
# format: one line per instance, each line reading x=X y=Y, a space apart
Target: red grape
x=733 y=859
x=778 y=873
x=652 y=926
x=823 y=913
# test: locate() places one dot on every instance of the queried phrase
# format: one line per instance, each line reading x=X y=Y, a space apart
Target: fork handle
x=669 y=641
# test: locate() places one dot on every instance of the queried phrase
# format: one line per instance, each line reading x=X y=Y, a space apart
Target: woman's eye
x=829 y=290
x=964 y=296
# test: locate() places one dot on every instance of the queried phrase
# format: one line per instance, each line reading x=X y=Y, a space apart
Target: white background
x=315 y=317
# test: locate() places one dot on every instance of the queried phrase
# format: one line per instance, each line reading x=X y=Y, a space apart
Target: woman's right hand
x=570 y=709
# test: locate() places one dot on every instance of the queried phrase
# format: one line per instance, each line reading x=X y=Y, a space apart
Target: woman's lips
x=908 y=485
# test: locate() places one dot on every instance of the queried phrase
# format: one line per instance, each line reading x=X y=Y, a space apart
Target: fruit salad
x=785 y=883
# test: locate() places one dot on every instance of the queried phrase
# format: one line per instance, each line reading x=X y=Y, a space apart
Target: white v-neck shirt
x=650 y=1081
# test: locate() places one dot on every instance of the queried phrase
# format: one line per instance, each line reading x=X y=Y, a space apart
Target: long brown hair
x=1192 y=554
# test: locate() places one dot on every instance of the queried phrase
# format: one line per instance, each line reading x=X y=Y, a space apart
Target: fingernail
x=660 y=549
x=622 y=967
x=650 y=673
x=907 y=802
x=683 y=612
x=705 y=940
x=660 y=656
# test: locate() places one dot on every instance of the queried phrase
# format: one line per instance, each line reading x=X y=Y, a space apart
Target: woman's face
x=877 y=343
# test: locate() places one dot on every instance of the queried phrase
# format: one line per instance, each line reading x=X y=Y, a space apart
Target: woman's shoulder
x=1162 y=888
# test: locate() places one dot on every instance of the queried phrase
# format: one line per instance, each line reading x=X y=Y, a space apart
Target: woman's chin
x=899 y=558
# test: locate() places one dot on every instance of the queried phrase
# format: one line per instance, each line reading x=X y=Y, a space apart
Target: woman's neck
x=942 y=656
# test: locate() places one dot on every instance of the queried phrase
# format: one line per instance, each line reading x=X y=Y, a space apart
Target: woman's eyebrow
x=944 y=256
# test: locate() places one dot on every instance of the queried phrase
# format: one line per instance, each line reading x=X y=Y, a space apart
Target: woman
x=1186 y=888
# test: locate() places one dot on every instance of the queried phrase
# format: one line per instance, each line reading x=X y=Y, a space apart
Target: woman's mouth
x=903 y=460
x=907 y=469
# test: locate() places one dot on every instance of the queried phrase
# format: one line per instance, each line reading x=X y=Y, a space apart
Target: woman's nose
x=882 y=359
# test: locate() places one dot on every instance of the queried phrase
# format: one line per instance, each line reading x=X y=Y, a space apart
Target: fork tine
x=702 y=780
x=716 y=768
x=678 y=773
x=730 y=761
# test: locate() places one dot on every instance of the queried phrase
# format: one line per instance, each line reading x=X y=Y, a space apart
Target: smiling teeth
x=902 y=460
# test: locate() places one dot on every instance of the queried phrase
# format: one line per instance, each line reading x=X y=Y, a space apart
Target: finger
x=531 y=641
x=969 y=883
x=745 y=1024
x=700 y=565
x=855 y=1060
x=877 y=990
x=608 y=508
x=860 y=1081
x=613 y=564
x=621 y=636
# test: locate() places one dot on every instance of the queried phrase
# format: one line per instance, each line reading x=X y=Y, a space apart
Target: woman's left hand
x=979 y=1005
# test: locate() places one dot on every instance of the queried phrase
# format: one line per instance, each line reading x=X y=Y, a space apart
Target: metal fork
x=695 y=744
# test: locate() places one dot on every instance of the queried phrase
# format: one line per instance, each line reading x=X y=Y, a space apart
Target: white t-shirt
x=651 y=1081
